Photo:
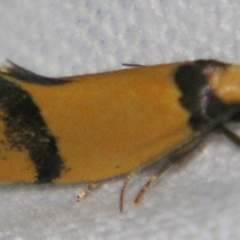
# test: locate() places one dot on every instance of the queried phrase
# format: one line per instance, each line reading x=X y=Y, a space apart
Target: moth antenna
x=231 y=135
x=132 y=65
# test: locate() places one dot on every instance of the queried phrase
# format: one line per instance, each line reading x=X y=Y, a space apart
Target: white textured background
x=59 y=38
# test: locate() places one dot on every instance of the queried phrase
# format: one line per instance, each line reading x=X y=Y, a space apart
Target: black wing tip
x=16 y=71
x=6 y=69
x=12 y=69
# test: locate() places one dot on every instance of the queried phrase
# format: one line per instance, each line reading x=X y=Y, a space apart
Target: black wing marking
x=25 y=75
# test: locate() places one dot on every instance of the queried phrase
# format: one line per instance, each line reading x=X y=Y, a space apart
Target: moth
x=93 y=127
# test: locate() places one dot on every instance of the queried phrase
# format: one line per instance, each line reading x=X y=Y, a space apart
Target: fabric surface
x=199 y=200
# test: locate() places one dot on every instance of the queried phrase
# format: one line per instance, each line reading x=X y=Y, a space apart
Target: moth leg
x=152 y=180
x=123 y=189
x=91 y=186
x=175 y=157
x=231 y=135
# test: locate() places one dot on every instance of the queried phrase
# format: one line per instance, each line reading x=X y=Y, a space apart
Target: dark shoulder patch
x=27 y=76
x=25 y=128
x=197 y=95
